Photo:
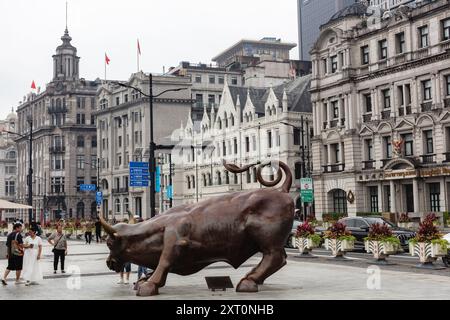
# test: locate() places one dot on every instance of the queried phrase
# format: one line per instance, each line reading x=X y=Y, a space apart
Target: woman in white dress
x=31 y=259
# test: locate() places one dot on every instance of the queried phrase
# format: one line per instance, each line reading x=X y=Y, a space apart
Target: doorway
x=409 y=197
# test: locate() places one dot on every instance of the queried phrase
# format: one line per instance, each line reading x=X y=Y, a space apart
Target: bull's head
x=117 y=246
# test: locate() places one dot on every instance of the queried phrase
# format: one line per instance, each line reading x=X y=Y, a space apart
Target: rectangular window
x=365 y=55
x=117 y=101
x=198 y=79
x=429 y=146
x=119 y=141
x=224 y=148
x=10 y=188
x=235 y=143
x=426 y=87
x=57 y=162
x=221 y=80
x=423 y=37
x=125 y=98
x=435 y=193
x=368 y=102
x=334 y=64
x=80 y=181
x=80 y=161
x=211 y=99
x=93 y=142
x=80 y=141
x=446 y=29
x=212 y=79
x=247 y=144
x=337 y=153
x=447 y=81
x=386 y=98
x=297 y=133
x=199 y=98
x=409 y=144
x=234 y=81
x=369 y=148
x=383 y=49
x=373 y=192
x=388 y=147
x=400 y=42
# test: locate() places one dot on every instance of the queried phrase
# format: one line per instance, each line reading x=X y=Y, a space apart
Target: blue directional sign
x=139 y=174
x=88 y=187
x=169 y=192
x=158 y=179
x=99 y=198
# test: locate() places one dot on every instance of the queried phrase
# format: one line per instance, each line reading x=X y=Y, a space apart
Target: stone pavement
x=298 y=280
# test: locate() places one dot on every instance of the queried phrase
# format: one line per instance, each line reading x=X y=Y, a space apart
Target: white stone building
x=8 y=158
x=246 y=128
x=381 y=105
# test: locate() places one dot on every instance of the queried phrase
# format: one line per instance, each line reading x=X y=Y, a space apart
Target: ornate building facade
x=8 y=158
x=381 y=105
x=64 y=154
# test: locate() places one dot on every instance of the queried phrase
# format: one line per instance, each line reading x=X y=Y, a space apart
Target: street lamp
x=151 y=163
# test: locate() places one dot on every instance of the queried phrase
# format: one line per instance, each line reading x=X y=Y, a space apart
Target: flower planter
x=380 y=250
x=427 y=253
x=305 y=245
x=438 y=250
x=338 y=247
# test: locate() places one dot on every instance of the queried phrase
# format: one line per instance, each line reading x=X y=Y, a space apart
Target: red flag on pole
x=33 y=85
x=138 y=47
x=107 y=60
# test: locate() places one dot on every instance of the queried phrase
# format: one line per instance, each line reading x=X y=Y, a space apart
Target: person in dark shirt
x=15 y=262
x=98 y=230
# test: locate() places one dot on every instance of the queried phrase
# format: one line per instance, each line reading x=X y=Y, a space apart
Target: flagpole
x=105 y=67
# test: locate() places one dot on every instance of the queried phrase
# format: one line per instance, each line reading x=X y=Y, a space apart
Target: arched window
x=126 y=205
x=269 y=111
x=339 y=201
x=103 y=104
x=219 y=178
x=204 y=180
x=220 y=123
x=58 y=102
x=105 y=184
x=274 y=111
x=232 y=120
x=11 y=155
x=188 y=179
x=193 y=182
x=117 y=206
x=209 y=179
x=226 y=120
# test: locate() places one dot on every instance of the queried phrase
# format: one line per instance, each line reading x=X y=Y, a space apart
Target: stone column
x=375 y=105
x=380 y=197
x=352 y=114
x=329 y=154
x=347 y=113
x=443 y=195
x=394 y=107
x=416 y=195
x=342 y=152
x=393 y=196
x=329 y=112
x=437 y=91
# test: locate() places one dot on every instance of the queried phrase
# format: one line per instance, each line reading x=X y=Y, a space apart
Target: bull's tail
x=281 y=167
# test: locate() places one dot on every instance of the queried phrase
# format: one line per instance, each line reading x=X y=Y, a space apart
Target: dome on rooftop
x=357 y=9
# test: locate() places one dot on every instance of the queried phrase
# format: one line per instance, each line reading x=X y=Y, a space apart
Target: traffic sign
x=99 y=198
x=88 y=187
x=306 y=190
x=158 y=179
x=169 y=192
x=139 y=174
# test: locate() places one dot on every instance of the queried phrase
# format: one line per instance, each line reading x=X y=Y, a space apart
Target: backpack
x=16 y=248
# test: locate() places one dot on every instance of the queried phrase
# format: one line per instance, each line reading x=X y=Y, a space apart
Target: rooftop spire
x=67 y=30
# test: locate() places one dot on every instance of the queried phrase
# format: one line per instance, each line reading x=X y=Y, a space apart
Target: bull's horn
x=108 y=228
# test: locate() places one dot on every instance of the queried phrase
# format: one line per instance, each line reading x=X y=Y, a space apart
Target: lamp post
x=152 y=148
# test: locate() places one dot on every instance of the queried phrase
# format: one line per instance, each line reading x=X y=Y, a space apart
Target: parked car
x=360 y=226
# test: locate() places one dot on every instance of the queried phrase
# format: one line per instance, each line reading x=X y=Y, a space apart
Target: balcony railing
x=400 y=58
x=368 y=165
x=334 y=168
x=120 y=190
x=57 y=149
x=334 y=123
x=367 y=117
x=426 y=106
x=447 y=157
x=428 y=158
x=385 y=114
x=446 y=102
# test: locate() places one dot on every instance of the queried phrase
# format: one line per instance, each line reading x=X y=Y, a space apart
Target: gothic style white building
x=381 y=103
x=247 y=127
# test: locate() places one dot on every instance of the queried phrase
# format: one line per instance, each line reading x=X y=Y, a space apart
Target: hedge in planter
x=381 y=242
x=339 y=240
x=306 y=238
x=428 y=244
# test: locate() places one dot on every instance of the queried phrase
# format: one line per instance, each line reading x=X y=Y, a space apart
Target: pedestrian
x=88 y=231
x=32 y=244
x=59 y=242
x=98 y=230
x=125 y=274
x=143 y=271
x=14 y=254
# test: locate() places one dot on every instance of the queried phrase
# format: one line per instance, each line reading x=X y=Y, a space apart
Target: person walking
x=32 y=244
x=14 y=243
x=98 y=230
x=59 y=242
x=88 y=231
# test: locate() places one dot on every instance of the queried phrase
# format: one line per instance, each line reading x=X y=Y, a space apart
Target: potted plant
x=4 y=228
x=339 y=240
x=381 y=242
x=306 y=239
x=428 y=244
x=404 y=221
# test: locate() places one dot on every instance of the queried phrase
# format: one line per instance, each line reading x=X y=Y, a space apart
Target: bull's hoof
x=147 y=289
x=247 y=285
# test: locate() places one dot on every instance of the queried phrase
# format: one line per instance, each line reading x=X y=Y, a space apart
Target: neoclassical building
x=64 y=154
x=8 y=158
x=381 y=102
x=247 y=127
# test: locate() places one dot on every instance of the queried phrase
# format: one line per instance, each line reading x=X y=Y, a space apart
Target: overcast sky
x=169 y=31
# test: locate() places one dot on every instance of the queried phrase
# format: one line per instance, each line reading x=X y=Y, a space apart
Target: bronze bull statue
x=230 y=228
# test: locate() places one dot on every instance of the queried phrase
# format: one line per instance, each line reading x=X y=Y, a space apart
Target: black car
x=360 y=226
